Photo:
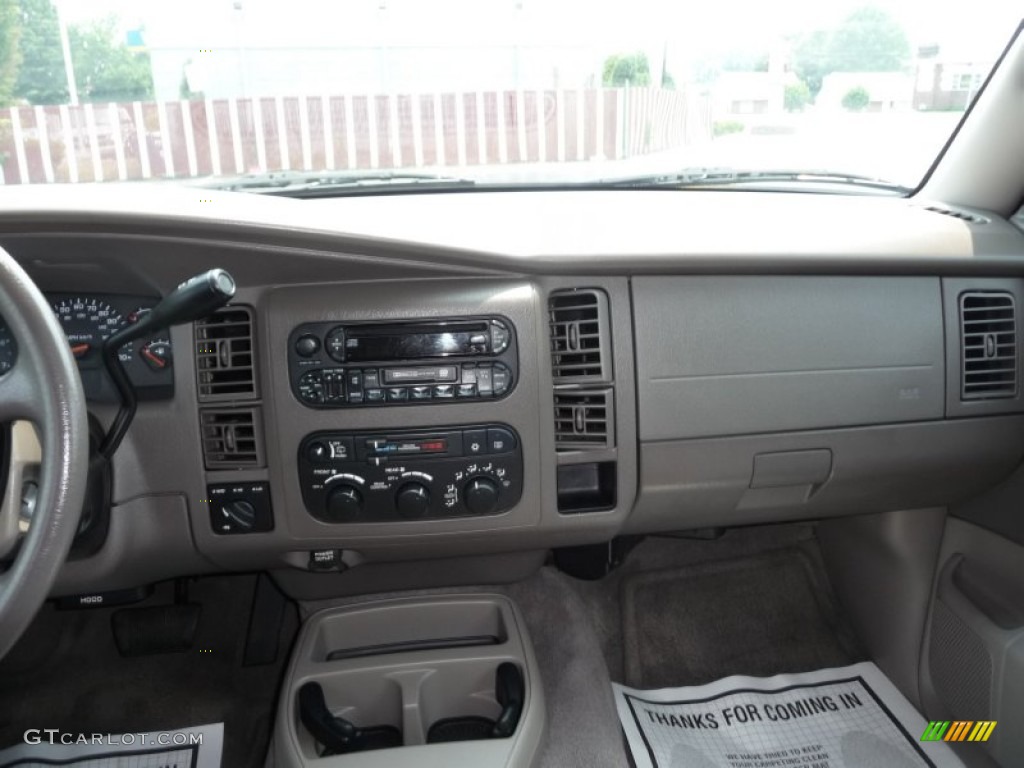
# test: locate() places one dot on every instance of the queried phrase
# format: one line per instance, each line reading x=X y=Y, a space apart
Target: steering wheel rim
x=43 y=387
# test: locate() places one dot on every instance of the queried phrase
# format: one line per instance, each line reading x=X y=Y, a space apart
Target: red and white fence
x=136 y=140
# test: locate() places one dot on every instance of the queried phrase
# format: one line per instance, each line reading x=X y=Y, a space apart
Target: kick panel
x=450 y=472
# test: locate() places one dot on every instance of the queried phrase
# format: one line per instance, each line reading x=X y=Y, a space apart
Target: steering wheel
x=43 y=387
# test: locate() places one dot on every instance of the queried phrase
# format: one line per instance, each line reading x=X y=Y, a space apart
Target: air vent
x=988 y=340
x=231 y=438
x=583 y=420
x=224 y=355
x=578 y=321
x=957 y=214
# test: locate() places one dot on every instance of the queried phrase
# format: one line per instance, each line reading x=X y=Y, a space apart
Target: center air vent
x=578 y=321
x=583 y=419
x=224 y=355
x=988 y=339
x=231 y=438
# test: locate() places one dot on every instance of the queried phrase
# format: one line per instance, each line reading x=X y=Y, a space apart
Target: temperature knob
x=480 y=495
x=344 y=504
x=413 y=500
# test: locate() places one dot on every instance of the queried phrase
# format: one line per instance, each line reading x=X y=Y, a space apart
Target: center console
x=417 y=682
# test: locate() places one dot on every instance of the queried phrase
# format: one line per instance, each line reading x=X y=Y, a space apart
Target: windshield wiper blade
x=333 y=183
x=699 y=176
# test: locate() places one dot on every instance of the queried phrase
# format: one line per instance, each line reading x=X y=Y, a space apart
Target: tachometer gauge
x=87 y=322
x=8 y=348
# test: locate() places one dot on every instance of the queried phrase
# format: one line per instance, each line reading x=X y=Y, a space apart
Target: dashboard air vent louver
x=224 y=348
x=957 y=214
x=583 y=419
x=988 y=343
x=231 y=438
x=578 y=320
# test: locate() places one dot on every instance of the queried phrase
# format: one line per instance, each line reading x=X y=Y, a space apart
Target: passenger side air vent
x=988 y=343
x=232 y=438
x=224 y=348
x=583 y=419
x=578 y=321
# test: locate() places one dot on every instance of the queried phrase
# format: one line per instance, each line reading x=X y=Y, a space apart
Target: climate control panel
x=451 y=472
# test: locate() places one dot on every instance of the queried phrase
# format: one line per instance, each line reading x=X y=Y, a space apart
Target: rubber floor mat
x=759 y=615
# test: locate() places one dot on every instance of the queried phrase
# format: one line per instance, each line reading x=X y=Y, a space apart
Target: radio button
x=307 y=345
x=444 y=391
x=467 y=390
x=374 y=395
x=355 y=385
x=311 y=387
x=371 y=378
x=500 y=337
x=335 y=344
x=397 y=394
x=484 y=380
x=502 y=380
x=419 y=393
x=474 y=442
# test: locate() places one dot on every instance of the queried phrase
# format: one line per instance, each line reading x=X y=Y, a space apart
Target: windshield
x=485 y=91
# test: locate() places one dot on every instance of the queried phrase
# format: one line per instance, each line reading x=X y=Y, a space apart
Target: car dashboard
x=487 y=376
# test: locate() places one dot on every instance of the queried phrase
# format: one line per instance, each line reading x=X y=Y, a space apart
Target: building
x=946 y=82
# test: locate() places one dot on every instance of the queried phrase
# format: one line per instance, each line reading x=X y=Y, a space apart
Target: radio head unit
x=334 y=365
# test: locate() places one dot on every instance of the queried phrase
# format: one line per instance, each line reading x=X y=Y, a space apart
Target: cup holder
x=510 y=694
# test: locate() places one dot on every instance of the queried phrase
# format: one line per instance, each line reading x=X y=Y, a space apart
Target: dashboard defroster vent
x=578 y=320
x=583 y=419
x=231 y=438
x=988 y=343
x=224 y=349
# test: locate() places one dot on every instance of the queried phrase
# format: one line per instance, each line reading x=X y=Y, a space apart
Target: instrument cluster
x=88 y=320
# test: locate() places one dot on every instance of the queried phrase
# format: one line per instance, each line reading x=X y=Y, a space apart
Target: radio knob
x=413 y=500
x=344 y=504
x=480 y=495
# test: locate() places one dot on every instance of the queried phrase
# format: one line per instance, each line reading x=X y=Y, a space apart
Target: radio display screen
x=412 y=342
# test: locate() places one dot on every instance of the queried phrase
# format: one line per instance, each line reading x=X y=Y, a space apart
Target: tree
x=41 y=78
x=796 y=96
x=10 y=48
x=107 y=70
x=856 y=99
x=868 y=40
x=626 y=69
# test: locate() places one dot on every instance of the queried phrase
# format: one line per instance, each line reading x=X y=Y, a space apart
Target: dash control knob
x=241 y=513
x=344 y=504
x=413 y=500
x=480 y=496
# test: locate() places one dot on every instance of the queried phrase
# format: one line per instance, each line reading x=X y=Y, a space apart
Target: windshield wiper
x=333 y=183
x=690 y=178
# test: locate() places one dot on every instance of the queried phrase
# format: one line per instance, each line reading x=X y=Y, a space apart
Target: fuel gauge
x=157 y=354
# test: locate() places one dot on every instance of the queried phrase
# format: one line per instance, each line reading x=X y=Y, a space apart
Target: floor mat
x=759 y=615
x=847 y=717
x=66 y=673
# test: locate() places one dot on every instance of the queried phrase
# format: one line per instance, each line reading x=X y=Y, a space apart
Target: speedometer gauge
x=8 y=348
x=87 y=322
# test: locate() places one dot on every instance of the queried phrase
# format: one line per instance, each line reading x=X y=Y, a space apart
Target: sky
x=694 y=24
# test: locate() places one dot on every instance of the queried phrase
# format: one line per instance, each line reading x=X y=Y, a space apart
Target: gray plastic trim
x=1000 y=561
x=412 y=690
x=695 y=483
x=744 y=355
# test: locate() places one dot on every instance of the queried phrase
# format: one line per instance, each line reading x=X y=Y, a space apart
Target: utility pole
x=65 y=47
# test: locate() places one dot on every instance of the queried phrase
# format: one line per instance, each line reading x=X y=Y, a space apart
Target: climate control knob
x=413 y=500
x=480 y=495
x=344 y=504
